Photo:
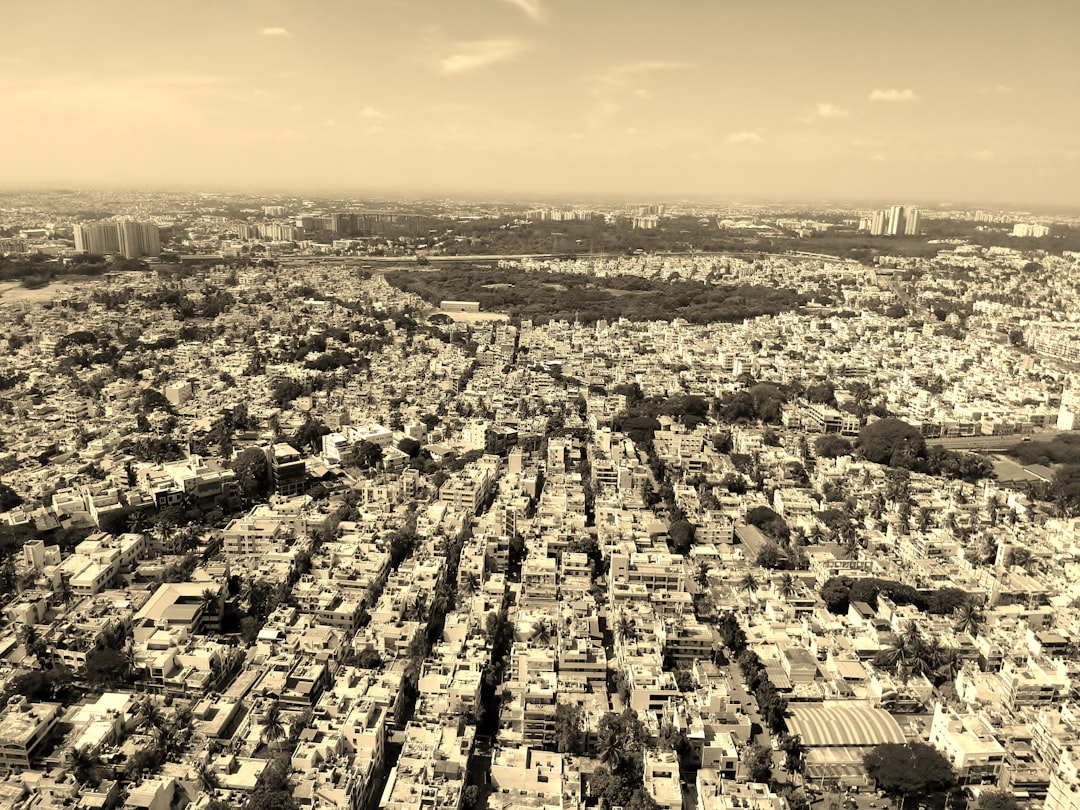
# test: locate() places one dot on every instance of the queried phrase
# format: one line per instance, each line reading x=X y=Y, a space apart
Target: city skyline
x=512 y=97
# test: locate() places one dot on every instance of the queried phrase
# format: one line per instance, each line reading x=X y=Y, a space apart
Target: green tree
x=911 y=770
x=273 y=727
x=996 y=800
x=893 y=442
x=253 y=473
x=968 y=619
x=85 y=765
x=757 y=763
x=681 y=533
x=748 y=583
x=625 y=627
x=831 y=445
x=569 y=736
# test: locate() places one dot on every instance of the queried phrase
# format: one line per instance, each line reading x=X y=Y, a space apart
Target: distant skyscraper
x=139 y=239
x=97 y=237
x=911 y=227
x=132 y=239
x=898 y=220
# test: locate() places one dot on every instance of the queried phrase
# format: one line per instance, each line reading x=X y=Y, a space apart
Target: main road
x=993 y=442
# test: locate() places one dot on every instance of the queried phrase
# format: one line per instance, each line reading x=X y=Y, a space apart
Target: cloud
x=996 y=90
x=479 y=54
x=532 y=8
x=275 y=32
x=981 y=155
x=744 y=137
x=372 y=114
x=893 y=95
x=823 y=110
x=614 y=87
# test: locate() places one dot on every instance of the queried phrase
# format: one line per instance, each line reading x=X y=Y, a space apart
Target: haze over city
x=539 y=405
x=953 y=102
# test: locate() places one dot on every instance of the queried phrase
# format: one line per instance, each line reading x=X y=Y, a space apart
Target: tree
x=9 y=498
x=151 y=713
x=996 y=800
x=831 y=445
x=757 y=763
x=681 y=533
x=909 y=770
x=273 y=728
x=569 y=738
x=253 y=473
x=769 y=522
x=893 y=442
x=368 y=455
x=795 y=753
x=748 y=583
x=207 y=779
x=968 y=619
x=625 y=627
x=85 y=765
x=786 y=586
x=770 y=556
x=108 y=668
x=143 y=761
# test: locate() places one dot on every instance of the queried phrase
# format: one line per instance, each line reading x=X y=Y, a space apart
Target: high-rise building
x=911 y=227
x=897 y=220
x=97 y=237
x=139 y=239
x=132 y=239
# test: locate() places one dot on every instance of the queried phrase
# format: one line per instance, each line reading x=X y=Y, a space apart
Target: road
x=992 y=442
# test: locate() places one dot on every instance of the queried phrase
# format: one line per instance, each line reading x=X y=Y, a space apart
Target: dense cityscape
x=352 y=503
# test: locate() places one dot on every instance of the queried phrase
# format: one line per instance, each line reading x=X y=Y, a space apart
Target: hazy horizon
x=958 y=103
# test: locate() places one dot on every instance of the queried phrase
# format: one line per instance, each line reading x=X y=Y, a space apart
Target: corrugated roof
x=839 y=724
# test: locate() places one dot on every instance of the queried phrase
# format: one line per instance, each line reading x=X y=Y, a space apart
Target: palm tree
x=35 y=645
x=28 y=635
x=273 y=727
x=907 y=655
x=84 y=765
x=611 y=751
x=207 y=779
x=469 y=582
x=625 y=627
x=786 y=587
x=748 y=583
x=968 y=618
x=209 y=599
x=136 y=522
x=65 y=592
x=151 y=713
x=541 y=635
x=795 y=751
x=702 y=576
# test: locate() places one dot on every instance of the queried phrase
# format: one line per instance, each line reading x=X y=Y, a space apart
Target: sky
x=920 y=101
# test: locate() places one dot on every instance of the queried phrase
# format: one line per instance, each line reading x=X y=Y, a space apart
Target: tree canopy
x=909 y=769
x=893 y=442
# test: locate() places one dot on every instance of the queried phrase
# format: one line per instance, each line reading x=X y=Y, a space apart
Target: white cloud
x=996 y=90
x=982 y=155
x=744 y=137
x=274 y=32
x=614 y=87
x=372 y=114
x=907 y=94
x=532 y=8
x=475 y=55
x=824 y=110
